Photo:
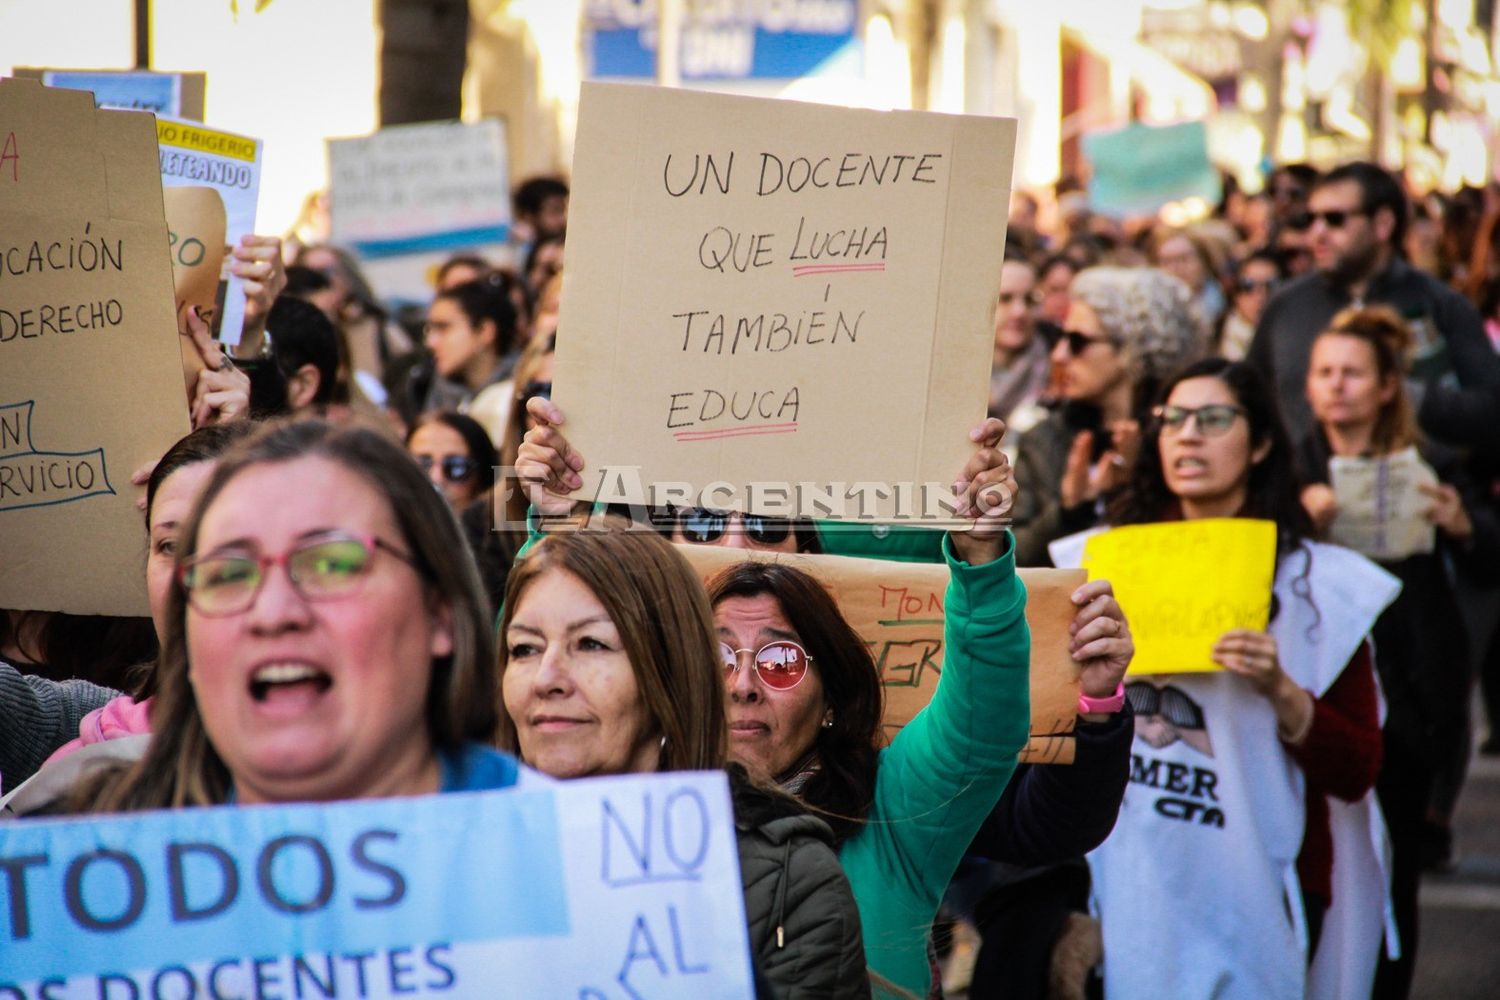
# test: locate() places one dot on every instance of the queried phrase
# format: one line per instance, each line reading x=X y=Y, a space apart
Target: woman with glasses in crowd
x=331 y=645
x=1220 y=873
x=608 y=665
x=455 y=453
x=1256 y=278
x=1356 y=388
x=1126 y=330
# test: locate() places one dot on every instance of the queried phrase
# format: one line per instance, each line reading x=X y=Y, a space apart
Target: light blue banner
x=1140 y=168
x=158 y=92
x=745 y=40
x=573 y=890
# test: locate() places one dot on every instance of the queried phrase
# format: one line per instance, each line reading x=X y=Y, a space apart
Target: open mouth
x=275 y=678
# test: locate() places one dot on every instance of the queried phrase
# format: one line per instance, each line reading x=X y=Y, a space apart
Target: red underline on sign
x=735 y=432
x=802 y=270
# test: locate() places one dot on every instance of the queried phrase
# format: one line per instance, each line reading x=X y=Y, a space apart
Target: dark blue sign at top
x=721 y=39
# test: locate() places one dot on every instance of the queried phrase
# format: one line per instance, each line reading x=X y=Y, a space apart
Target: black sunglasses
x=702 y=526
x=1168 y=702
x=1079 y=342
x=1265 y=285
x=1334 y=219
x=456 y=468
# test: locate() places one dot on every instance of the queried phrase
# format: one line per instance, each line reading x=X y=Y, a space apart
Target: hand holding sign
x=1099 y=640
x=986 y=492
x=1447 y=511
x=546 y=465
x=1253 y=656
x=257 y=263
x=221 y=392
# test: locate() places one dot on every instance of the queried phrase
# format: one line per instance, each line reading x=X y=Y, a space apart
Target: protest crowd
x=370 y=577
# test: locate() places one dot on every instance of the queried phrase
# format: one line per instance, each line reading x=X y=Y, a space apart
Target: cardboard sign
x=772 y=294
x=197 y=225
x=1140 y=168
x=897 y=608
x=1381 y=513
x=178 y=95
x=227 y=167
x=1183 y=584
x=90 y=373
x=410 y=196
x=598 y=888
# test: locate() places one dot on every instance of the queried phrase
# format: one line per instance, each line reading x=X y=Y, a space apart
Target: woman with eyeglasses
x=1197 y=261
x=1356 y=388
x=1257 y=276
x=1127 y=329
x=455 y=454
x=1248 y=814
x=330 y=645
x=608 y=665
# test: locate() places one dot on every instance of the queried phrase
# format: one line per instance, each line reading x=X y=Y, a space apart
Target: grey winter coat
x=804 y=928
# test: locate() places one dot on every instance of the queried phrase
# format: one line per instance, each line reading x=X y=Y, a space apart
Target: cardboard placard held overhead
x=90 y=372
x=897 y=608
x=770 y=302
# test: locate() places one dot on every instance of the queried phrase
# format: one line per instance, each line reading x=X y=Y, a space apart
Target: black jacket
x=804 y=927
x=1456 y=377
x=1052 y=813
x=1421 y=644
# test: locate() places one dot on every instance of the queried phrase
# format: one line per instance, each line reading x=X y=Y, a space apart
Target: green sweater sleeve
x=945 y=770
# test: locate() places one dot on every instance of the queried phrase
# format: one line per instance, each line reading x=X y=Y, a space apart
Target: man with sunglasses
x=1356 y=216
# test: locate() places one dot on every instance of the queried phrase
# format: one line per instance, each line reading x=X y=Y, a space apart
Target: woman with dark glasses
x=1230 y=873
x=455 y=454
x=702 y=526
x=1127 y=329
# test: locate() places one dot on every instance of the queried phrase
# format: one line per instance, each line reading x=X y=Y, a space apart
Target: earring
x=828 y=723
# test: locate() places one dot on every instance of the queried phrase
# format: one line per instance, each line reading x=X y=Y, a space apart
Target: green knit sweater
x=944 y=772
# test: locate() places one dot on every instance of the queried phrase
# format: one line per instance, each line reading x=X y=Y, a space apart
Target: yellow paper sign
x=1183 y=584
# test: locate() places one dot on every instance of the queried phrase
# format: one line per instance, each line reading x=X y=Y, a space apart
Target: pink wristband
x=1115 y=702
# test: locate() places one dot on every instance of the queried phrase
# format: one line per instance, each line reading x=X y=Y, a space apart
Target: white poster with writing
x=1382 y=513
